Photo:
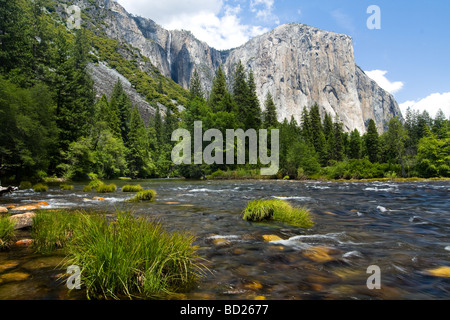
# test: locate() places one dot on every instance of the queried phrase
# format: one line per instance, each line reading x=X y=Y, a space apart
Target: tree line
x=53 y=125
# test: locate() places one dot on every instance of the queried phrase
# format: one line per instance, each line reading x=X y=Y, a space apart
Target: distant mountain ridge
x=298 y=64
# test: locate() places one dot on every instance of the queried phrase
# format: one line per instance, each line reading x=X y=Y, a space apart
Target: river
x=401 y=227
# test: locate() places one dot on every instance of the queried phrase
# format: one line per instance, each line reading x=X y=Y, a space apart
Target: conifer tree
x=195 y=90
x=372 y=142
x=241 y=92
x=270 y=112
x=253 y=119
x=355 y=145
x=218 y=91
x=138 y=156
x=317 y=134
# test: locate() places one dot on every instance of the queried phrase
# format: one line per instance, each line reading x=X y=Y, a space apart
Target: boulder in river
x=23 y=220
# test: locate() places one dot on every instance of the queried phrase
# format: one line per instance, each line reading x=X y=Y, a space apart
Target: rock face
x=298 y=64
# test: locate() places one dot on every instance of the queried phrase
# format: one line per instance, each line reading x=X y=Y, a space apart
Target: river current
x=403 y=228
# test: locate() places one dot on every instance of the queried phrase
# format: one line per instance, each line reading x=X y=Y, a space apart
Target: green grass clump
x=94 y=184
x=52 y=230
x=132 y=188
x=106 y=188
x=66 y=187
x=147 y=195
x=132 y=257
x=278 y=210
x=87 y=189
x=7 y=232
x=25 y=185
x=40 y=187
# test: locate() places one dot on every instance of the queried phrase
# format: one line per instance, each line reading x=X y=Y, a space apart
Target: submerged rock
x=443 y=272
x=14 y=276
x=319 y=254
x=271 y=237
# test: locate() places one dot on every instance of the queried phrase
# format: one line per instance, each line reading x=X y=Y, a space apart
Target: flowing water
x=402 y=227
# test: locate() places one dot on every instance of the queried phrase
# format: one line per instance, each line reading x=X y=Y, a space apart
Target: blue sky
x=409 y=56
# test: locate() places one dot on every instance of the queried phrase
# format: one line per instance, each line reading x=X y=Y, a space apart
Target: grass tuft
x=40 y=187
x=66 y=187
x=106 y=188
x=278 y=210
x=87 y=189
x=127 y=257
x=7 y=232
x=147 y=195
x=132 y=188
x=25 y=185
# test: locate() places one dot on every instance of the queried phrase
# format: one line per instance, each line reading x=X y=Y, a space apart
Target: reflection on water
x=401 y=227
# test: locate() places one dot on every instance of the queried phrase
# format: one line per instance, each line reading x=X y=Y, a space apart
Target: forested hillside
x=52 y=123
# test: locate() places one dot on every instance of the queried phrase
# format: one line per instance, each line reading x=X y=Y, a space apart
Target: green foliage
x=372 y=142
x=66 y=187
x=7 y=231
x=53 y=230
x=139 y=161
x=87 y=189
x=270 y=112
x=40 y=187
x=132 y=257
x=147 y=195
x=126 y=257
x=433 y=157
x=132 y=188
x=106 y=188
x=196 y=90
x=25 y=185
x=278 y=210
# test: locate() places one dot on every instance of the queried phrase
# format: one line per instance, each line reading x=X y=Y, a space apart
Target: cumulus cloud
x=264 y=10
x=212 y=21
x=432 y=104
x=379 y=76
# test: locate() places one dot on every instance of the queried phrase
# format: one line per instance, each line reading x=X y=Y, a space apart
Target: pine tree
x=317 y=135
x=372 y=142
x=338 y=147
x=306 y=126
x=123 y=108
x=355 y=145
x=241 y=92
x=196 y=90
x=75 y=101
x=108 y=113
x=218 y=91
x=270 y=112
x=253 y=119
x=138 y=156
x=15 y=40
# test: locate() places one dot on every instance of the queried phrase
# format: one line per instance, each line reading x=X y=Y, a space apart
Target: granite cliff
x=298 y=64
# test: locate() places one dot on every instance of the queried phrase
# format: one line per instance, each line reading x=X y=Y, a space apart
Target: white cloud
x=379 y=76
x=211 y=21
x=264 y=10
x=432 y=104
